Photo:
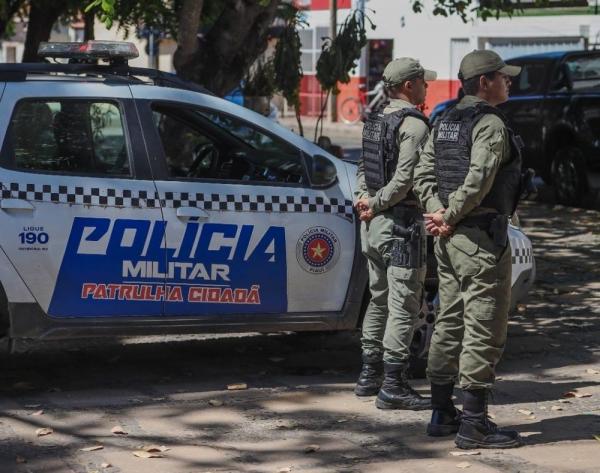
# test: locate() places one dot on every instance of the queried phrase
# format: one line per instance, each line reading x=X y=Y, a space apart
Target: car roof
x=554 y=55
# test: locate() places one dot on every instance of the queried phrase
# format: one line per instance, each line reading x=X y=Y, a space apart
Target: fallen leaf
x=568 y=394
x=597 y=437
x=564 y=401
x=118 y=430
x=20 y=460
x=92 y=449
x=499 y=378
x=311 y=448
x=463 y=465
x=464 y=454
x=556 y=408
x=529 y=434
x=44 y=431
x=521 y=308
x=237 y=386
x=155 y=448
x=105 y=465
x=37 y=413
x=276 y=359
x=341 y=421
x=525 y=412
x=215 y=403
x=592 y=371
x=555 y=345
x=144 y=454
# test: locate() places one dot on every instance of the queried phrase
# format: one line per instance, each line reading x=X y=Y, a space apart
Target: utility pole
x=332 y=34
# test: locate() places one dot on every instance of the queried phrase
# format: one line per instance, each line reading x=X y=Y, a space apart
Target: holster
x=408 y=251
x=498 y=230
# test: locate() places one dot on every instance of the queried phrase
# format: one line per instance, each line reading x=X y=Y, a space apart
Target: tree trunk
x=221 y=59
x=42 y=16
x=88 y=28
x=187 y=35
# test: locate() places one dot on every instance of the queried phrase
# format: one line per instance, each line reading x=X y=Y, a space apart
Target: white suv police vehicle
x=135 y=203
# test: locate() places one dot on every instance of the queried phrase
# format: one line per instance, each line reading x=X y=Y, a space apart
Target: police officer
x=468 y=179
x=392 y=235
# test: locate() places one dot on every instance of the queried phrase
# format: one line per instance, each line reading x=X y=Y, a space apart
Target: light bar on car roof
x=107 y=50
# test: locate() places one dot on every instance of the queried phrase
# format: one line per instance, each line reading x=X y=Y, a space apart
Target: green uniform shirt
x=491 y=149
x=412 y=135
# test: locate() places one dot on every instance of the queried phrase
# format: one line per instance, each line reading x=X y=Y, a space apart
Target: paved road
x=172 y=392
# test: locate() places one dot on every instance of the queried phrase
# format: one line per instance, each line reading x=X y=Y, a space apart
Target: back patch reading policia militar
x=123 y=267
x=448 y=131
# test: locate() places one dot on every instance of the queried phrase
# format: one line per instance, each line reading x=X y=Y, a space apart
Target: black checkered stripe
x=258 y=203
x=79 y=195
x=207 y=201
x=522 y=256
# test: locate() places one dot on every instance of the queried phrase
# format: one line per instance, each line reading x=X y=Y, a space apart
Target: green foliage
x=260 y=81
x=287 y=57
x=465 y=9
x=107 y=11
x=340 y=56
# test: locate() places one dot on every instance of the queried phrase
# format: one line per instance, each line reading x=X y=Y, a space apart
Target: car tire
x=569 y=176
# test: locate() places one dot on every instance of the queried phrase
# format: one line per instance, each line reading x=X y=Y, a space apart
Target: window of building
x=67 y=136
x=11 y=54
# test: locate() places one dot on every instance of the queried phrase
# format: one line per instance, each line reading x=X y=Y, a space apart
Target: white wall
x=429 y=38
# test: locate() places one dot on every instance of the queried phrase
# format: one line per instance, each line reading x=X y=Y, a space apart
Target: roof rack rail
x=119 y=72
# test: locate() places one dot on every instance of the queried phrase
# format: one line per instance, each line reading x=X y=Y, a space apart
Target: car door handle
x=15 y=204
x=185 y=213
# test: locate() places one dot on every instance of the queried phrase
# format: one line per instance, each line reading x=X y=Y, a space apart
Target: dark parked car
x=555 y=107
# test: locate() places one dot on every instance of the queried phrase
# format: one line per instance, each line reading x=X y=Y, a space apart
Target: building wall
x=440 y=42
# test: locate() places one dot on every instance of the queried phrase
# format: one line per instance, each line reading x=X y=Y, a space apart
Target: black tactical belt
x=480 y=221
x=407 y=210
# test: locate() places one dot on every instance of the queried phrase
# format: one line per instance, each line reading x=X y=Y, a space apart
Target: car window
x=531 y=79
x=210 y=145
x=69 y=136
x=584 y=71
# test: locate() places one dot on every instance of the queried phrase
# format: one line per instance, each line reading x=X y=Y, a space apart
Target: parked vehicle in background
x=555 y=107
x=354 y=109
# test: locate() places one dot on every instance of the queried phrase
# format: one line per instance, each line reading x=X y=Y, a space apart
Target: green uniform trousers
x=474 y=289
x=396 y=293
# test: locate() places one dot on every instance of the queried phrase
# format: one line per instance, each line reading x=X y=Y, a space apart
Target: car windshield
x=584 y=72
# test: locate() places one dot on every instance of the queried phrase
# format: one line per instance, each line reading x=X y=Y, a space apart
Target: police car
x=133 y=202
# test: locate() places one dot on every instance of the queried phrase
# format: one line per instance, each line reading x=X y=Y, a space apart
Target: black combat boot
x=477 y=430
x=395 y=392
x=445 y=418
x=369 y=380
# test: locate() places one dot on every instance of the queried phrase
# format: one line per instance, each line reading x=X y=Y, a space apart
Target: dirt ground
x=299 y=413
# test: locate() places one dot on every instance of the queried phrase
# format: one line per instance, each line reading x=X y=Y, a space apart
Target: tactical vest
x=380 y=147
x=452 y=137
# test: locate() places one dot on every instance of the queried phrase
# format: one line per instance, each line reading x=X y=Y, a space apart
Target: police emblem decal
x=317 y=250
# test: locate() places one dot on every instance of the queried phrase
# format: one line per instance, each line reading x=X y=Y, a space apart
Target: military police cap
x=403 y=69
x=480 y=62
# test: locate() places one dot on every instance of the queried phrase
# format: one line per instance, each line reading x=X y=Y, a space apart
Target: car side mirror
x=323 y=172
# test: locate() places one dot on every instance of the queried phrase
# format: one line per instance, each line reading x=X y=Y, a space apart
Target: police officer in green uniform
x=393 y=236
x=469 y=179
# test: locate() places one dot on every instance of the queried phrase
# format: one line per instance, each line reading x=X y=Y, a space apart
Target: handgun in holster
x=407 y=253
x=498 y=230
